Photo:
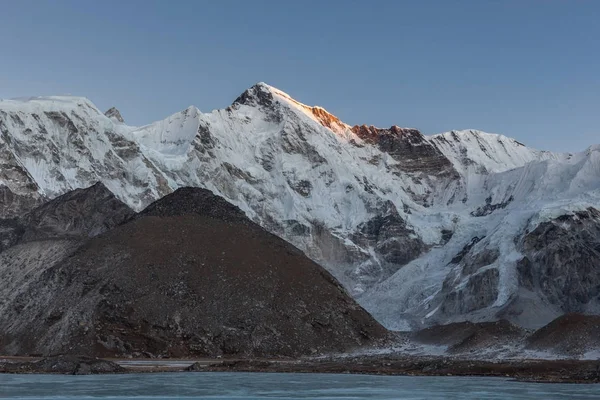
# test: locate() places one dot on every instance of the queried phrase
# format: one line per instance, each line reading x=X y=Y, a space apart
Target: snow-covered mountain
x=421 y=229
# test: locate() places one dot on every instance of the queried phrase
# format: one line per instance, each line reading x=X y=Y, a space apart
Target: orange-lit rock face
x=409 y=147
x=374 y=135
x=326 y=119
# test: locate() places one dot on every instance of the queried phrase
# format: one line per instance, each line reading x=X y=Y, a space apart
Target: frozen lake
x=279 y=386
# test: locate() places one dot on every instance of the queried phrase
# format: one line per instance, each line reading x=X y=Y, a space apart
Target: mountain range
x=420 y=230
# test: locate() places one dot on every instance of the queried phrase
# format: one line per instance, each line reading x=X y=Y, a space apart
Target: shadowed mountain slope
x=190 y=275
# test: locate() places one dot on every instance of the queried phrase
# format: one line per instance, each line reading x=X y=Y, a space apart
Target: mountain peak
x=194 y=200
x=259 y=94
x=114 y=114
x=262 y=94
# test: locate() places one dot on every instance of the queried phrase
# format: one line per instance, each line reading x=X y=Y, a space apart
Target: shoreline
x=542 y=371
x=528 y=370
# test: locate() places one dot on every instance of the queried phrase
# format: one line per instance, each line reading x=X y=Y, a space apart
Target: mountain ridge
x=316 y=110
x=384 y=210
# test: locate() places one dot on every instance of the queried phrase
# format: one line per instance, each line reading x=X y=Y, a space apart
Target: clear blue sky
x=528 y=69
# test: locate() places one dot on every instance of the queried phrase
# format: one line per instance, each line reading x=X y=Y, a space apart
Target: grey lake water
x=280 y=386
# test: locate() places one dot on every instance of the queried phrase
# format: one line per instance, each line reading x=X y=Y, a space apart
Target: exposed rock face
x=114 y=114
x=327 y=120
x=562 y=261
x=410 y=148
x=480 y=292
x=489 y=208
x=388 y=234
x=190 y=275
x=257 y=95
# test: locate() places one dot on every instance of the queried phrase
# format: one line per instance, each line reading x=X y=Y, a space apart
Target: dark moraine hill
x=468 y=337
x=189 y=276
x=570 y=335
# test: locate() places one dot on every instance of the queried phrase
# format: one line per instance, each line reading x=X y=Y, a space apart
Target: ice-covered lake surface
x=280 y=386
